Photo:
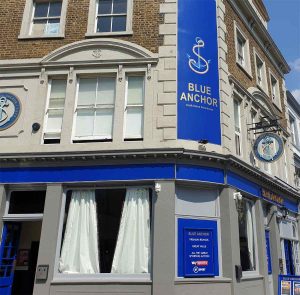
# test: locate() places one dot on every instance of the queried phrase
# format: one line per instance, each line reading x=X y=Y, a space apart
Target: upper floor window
x=55 y=110
x=95 y=108
x=134 y=110
x=261 y=77
x=294 y=131
x=44 y=19
x=242 y=50
x=275 y=90
x=110 y=17
x=237 y=126
x=100 y=100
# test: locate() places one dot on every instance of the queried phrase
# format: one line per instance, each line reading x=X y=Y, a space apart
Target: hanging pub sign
x=198 y=116
x=10 y=108
x=268 y=147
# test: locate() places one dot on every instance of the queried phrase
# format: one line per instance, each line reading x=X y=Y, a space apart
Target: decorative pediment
x=263 y=101
x=100 y=51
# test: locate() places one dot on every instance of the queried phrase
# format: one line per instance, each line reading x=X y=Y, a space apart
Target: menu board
x=198 y=252
x=288 y=285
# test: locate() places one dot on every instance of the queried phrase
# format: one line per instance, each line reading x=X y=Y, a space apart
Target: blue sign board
x=197 y=248
x=197 y=72
x=198 y=252
x=288 y=285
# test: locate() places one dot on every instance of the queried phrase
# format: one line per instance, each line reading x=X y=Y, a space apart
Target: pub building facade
x=118 y=176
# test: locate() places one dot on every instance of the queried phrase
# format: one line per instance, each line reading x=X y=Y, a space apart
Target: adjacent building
x=127 y=164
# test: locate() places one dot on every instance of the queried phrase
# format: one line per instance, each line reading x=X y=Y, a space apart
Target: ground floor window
x=247 y=235
x=106 y=231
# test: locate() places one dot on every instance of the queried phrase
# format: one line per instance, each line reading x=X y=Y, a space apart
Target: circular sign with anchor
x=268 y=147
x=10 y=108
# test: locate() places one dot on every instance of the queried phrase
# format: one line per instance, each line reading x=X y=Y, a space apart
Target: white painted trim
x=265 y=86
x=247 y=66
x=277 y=101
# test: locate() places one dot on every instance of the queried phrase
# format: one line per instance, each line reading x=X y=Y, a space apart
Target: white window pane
x=134 y=123
x=87 y=91
x=52 y=27
x=54 y=120
x=237 y=116
x=38 y=27
x=58 y=94
x=84 y=123
x=106 y=90
x=135 y=90
x=104 y=123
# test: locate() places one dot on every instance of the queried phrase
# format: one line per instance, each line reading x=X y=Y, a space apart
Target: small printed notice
x=198 y=252
x=288 y=285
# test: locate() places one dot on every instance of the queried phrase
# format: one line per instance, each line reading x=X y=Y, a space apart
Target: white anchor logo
x=201 y=66
x=3 y=103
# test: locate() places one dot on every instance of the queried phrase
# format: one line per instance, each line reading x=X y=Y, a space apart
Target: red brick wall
x=146 y=21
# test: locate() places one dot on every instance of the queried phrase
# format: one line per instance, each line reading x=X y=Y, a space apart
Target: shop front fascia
x=192 y=194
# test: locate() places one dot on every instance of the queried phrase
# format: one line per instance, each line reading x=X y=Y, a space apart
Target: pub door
x=8 y=255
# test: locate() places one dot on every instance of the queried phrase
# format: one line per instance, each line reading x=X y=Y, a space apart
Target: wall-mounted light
x=237 y=196
x=157 y=187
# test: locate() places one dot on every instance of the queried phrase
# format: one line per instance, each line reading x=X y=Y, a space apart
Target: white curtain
x=132 y=253
x=79 y=252
x=249 y=226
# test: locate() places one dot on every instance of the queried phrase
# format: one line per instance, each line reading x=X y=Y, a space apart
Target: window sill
x=101 y=279
x=245 y=70
x=217 y=280
x=251 y=277
x=28 y=37
x=107 y=34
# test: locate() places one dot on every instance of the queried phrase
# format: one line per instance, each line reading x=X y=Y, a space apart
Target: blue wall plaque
x=197 y=248
x=197 y=72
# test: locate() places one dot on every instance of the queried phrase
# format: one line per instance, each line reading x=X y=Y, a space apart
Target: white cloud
x=296 y=94
x=295 y=65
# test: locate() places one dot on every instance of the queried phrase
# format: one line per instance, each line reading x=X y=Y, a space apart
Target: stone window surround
x=119 y=118
x=247 y=66
x=276 y=102
x=91 y=27
x=27 y=19
x=264 y=87
x=120 y=99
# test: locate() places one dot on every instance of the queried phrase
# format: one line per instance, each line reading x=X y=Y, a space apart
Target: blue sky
x=284 y=27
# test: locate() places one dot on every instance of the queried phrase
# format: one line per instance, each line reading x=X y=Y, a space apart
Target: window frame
x=294 y=130
x=22 y=217
x=128 y=74
x=251 y=273
x=238 y=134
x=93 y=138
x=92 y=21
x=49 y=89
x=100 y=277
x=246 y=50
x=264 y=84
x=28 y=16
x=275 y=97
